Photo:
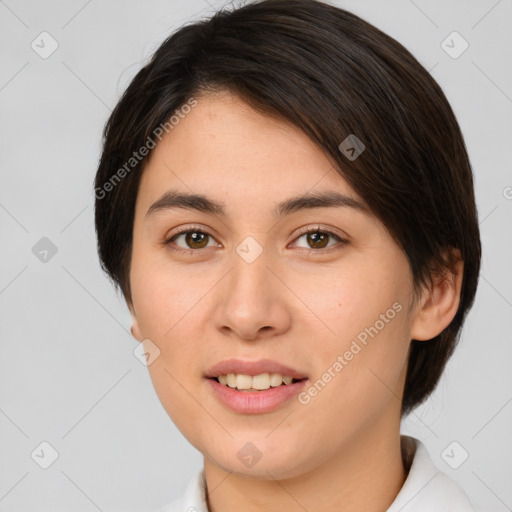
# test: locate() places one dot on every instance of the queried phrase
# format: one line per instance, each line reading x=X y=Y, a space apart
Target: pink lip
x=252 y=368
x=255 y=402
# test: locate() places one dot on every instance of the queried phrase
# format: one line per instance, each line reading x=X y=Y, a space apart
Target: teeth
x=258 y=382
x=231 y=380
x=243 y=382
x=276 y=380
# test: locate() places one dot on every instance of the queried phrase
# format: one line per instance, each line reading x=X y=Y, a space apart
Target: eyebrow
x=201 y=203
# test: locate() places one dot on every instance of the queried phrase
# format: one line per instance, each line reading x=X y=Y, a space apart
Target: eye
x=316 y=239
x=194 y=240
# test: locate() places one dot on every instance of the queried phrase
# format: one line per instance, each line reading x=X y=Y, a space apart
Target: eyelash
x=196 y=229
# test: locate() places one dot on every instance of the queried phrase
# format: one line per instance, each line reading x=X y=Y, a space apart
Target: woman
x=285 y=201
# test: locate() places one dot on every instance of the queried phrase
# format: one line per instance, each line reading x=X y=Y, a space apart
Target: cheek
x=164 y=304
x=355 y=383
x=350 y=299
x=163 y=296
x=364 y=317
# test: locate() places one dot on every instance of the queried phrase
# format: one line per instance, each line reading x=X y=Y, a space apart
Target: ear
x=439 y=303
x=134 y=329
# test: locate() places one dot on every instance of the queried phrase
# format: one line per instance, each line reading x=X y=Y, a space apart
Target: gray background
x=67 y=372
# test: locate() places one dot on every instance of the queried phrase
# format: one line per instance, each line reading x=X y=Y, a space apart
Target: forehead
x=226 y=149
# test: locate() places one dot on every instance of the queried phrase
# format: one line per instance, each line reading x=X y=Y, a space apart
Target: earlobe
x=134 y=328
x=439 y=304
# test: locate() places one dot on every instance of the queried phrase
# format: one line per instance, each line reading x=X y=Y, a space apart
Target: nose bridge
x=250 y=284
x=250 y=259
x=252 y=298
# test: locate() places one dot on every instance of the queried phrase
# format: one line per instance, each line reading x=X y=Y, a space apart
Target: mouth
x=254 y=387
x=261 y=382
x=253 y=375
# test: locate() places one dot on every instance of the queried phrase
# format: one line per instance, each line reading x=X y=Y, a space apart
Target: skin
x=341 y=451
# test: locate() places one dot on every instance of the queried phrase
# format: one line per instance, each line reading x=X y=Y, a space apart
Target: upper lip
x=252 y=368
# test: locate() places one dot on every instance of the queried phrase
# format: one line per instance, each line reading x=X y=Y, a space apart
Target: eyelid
x=323 y=229
x=189 y=227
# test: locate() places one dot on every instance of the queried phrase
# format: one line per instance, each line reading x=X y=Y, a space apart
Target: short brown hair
x=331 y=74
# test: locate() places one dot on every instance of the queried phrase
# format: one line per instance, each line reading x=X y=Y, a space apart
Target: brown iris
x=317 y=239
x=196 y=240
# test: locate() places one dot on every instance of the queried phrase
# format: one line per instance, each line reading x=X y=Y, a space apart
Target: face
x=250 y=283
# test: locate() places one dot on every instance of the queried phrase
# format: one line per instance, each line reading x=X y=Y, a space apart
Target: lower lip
x=256 y=402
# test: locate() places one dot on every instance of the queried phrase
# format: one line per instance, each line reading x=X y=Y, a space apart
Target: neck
x=365 y=475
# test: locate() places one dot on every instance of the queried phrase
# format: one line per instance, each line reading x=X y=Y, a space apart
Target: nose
x=252 y=302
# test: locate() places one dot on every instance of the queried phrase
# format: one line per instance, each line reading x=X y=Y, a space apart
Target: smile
x=259 y=382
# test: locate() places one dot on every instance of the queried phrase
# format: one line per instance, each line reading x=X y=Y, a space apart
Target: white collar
x=425 y=489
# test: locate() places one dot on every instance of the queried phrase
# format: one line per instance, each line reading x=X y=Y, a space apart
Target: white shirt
x=426 y=489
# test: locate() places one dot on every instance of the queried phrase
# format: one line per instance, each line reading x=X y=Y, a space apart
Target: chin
x=259 y=458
